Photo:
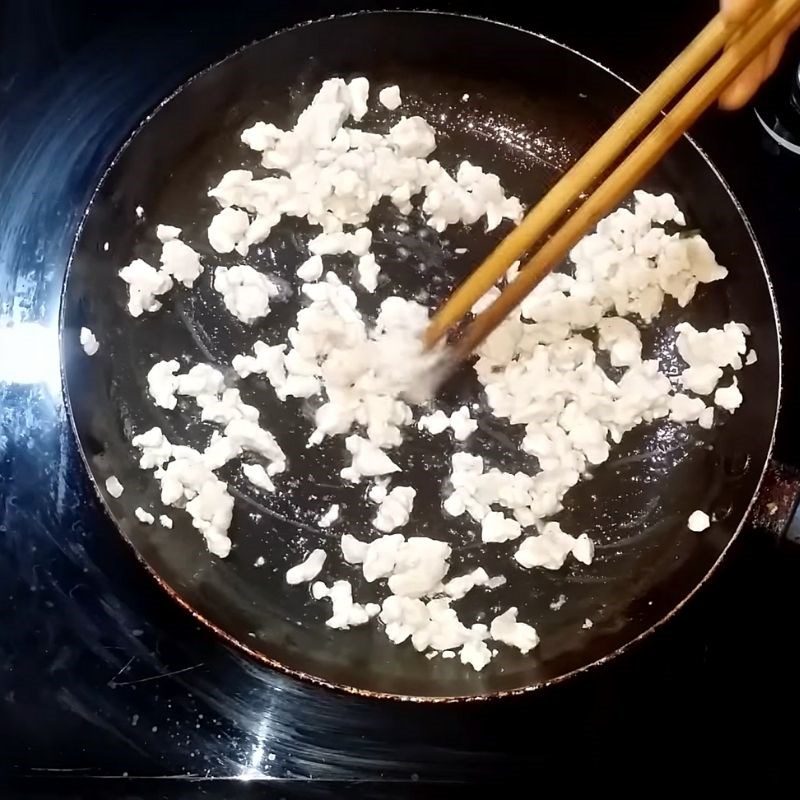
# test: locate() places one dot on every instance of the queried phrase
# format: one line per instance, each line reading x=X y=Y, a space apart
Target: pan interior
x=532 y=107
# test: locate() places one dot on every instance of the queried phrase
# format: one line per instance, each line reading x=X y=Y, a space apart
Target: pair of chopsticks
x=741 y=42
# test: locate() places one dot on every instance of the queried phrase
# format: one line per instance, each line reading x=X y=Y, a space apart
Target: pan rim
x=292 y=672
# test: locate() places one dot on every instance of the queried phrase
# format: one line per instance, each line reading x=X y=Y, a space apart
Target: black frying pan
x=533 y=106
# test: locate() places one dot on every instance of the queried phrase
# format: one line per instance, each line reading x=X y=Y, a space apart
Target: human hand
x=748 y=83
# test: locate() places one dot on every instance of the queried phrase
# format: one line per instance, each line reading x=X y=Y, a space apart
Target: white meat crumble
x=541 y=370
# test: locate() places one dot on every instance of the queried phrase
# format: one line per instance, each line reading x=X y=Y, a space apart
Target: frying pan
x=519 y=105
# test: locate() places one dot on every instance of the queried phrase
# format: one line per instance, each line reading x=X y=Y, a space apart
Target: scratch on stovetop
x=75 y=588
x=60 y=769
x=189 y=776
x=298 y=780
x=113 y=683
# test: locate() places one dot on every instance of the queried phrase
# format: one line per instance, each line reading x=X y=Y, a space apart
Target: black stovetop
x=102 y=675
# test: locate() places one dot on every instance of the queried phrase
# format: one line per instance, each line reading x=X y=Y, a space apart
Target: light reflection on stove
x=29 y=355
x=257 y=769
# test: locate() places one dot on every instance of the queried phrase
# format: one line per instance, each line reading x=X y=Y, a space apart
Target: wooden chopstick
x=749 y=39
x=593 y=163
